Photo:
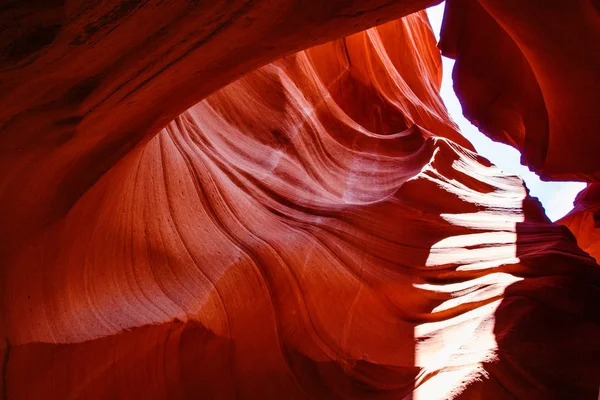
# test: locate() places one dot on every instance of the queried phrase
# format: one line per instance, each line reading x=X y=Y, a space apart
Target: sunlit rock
x=317 y=228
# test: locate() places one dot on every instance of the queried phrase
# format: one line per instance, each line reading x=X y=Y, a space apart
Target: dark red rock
x=526 y=74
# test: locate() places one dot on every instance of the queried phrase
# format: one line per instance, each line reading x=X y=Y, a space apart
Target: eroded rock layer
x=316 y=229
x=82 y=82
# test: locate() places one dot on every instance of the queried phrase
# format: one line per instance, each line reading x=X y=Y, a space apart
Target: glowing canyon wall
x=266 y=200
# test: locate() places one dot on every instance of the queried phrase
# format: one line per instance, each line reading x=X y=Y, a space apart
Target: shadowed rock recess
x=268 y=200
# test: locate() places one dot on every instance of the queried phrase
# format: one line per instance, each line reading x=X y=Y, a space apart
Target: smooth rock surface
x=526 y=74
x=584 y=220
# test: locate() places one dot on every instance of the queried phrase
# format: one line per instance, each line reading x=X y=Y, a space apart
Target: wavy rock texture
x=316 y=229
x=584 y=220
x=526 y=74
x=83 y=82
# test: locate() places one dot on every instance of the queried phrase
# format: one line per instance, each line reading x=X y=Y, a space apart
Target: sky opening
x=556 y=197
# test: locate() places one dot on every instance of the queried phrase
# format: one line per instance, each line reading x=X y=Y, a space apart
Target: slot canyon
x=268 y=199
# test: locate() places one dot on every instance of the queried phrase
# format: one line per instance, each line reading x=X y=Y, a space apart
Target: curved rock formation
x=316 y=229
x=526 y=74
x=584 y=220
x=99 y=78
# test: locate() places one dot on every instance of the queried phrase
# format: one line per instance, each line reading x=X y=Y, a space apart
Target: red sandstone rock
x=83 y=82
x=316 y=229
x=526 y=74
x=584 y=220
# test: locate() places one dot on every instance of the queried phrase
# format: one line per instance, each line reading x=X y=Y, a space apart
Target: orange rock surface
x=317 y=228
x=584 y=220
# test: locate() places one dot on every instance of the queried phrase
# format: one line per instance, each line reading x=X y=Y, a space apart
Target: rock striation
x=207 y=210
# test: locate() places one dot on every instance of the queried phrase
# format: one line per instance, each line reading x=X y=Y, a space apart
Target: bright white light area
x=556 y=197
